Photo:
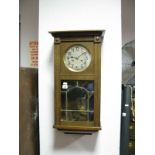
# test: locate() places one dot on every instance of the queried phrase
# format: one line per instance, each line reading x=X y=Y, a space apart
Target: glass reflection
x=77 y=100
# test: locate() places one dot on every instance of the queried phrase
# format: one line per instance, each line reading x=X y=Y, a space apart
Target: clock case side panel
x=97 y=47
x=56 y=85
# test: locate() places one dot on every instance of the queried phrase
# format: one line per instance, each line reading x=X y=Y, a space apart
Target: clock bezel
x=74 y=70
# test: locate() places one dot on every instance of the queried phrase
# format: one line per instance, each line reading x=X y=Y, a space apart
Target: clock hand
x=73 y=57
x=80 y=55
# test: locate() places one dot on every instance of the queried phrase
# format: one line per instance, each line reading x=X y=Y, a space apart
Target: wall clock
x=77 y=72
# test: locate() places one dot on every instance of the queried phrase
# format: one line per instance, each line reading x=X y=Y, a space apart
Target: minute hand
x=81 y=54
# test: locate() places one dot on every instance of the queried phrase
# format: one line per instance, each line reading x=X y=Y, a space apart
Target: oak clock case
x=77 y=80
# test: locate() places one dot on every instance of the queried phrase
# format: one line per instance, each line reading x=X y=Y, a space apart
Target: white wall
x=76 y=15
x=28 y=29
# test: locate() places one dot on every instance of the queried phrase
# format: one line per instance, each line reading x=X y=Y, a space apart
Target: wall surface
x=77 y=15
x=28 y=28
x=128 y=21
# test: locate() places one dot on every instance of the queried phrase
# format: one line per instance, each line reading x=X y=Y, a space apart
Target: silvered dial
x=77 y=58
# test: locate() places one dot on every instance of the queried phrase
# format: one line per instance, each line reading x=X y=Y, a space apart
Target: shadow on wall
x=74 y=142
x=50 y=61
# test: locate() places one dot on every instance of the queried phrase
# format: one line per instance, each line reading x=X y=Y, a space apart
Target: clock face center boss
x=77 y=80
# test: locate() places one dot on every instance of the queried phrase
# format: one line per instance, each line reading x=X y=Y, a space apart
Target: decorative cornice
x=78 y=33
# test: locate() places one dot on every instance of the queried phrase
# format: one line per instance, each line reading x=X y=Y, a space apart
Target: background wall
x=128 y=21
x=28 y=28
x=75 y=15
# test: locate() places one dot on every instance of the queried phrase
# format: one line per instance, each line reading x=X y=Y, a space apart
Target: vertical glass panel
x=91 y=116
x=63 y=100
x=77 y=100
x=63 y=115
x=91 y=101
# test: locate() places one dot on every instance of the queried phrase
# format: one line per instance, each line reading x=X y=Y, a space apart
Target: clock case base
x=77 y=129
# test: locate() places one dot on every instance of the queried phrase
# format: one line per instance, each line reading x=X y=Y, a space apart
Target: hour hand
x=73 y=57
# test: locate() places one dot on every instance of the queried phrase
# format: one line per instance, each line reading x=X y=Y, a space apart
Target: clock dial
x=77 y=58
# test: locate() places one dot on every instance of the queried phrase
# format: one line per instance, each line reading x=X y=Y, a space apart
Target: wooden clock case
x=91 y=40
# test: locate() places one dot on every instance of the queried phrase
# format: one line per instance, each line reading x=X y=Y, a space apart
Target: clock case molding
x=91 y=40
